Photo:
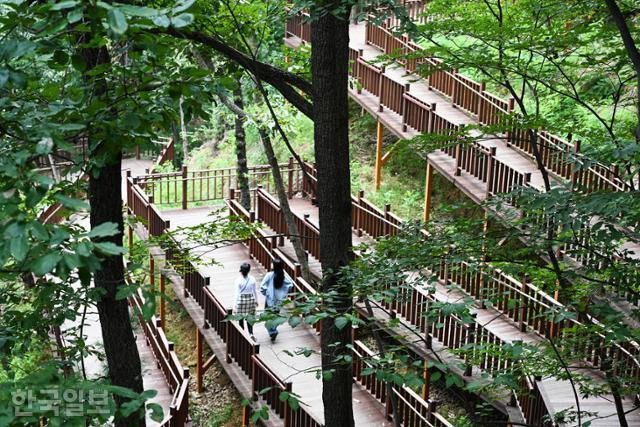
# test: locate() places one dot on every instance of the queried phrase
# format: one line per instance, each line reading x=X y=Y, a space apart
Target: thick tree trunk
x=105 y=198
x=329 y=64
x=117 y=335
x=242 y=170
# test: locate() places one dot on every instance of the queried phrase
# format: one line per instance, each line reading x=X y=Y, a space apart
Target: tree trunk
x=183 y=134
x=242 y=170
x=105 y=198
x=634 y=56
x=329 y=64
x=117 y=335
x=294 y=233
x=280 y=190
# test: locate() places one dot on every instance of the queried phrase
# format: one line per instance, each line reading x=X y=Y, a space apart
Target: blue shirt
x=275 y=296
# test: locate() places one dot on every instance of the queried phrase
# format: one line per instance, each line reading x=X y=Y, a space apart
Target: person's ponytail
x=278 y=273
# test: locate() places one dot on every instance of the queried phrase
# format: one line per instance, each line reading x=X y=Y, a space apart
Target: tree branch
x=285 y=82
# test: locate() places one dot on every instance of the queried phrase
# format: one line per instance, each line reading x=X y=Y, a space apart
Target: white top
x=246 y=285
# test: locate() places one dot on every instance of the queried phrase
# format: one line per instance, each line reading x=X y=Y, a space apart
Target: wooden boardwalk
x=558 y=395
x=496 y=325
x=222 y=267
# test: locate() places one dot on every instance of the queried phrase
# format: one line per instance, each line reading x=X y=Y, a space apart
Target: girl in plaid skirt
x=246 y=296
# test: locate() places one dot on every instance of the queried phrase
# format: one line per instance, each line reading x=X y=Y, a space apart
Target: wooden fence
x=200 y=186
x=142 y=206
x=270 y=213
x=266 y=385
x=465 y=94
x=167 y=154
x=532 y=404
x=176 y=376
x=412 y=410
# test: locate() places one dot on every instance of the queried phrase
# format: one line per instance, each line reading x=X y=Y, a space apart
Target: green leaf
x=67 y=4
x=60 y=57
x=45 y=264
x=228 y=82
x=44 y=146
x=293 y=403
x=70 y=203
x=294 y=321
x=104 y=229
x=74 y=15
x=183 y=5
x=162 y=21
x=157 y=413
x=341 y=322
x=117 y=21
x=109 y=248
x=143 y=12
x=78 y=62
x=4 y=76
x=38 y=231
x=182 y=20
x=19 y=248
x=125 y=291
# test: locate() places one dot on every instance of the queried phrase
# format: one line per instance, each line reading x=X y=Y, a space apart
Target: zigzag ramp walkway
x=222 y=267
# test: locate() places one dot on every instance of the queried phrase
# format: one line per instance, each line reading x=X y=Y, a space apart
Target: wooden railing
x=367 y=218
x=270 y=213
x=412 y=409
x=215 y=314
x=186 y=186
x=530 y=308
x=240 y=347
x=167 y=154
x=532 y=404
x=194 y=283
x=176 y=376
x=267 y=385
x=142 y=206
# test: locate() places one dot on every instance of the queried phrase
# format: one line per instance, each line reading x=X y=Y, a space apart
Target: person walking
x=275 y=287
x=246 y=297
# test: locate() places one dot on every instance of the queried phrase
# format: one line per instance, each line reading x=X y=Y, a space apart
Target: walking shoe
x=273 y=337
x=253 y=337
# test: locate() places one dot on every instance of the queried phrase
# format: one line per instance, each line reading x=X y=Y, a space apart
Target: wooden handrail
x=409 y=405
x=175 y=374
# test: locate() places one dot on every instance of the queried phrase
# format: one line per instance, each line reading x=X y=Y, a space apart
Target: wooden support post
x=574 y=172
x=184 y=187
x=130 y=237
x=427 y=193
x=378 y=166
x=490 y=158
x=290 y=183
x=524 y=304
x=358 y=224
x=199 y=370
x=137 y=152
x=246 y=416
x=152 y=271
x=162 y=301
x=427 y=381
x=381 y=90
x=404 y=107
x=485 y=232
